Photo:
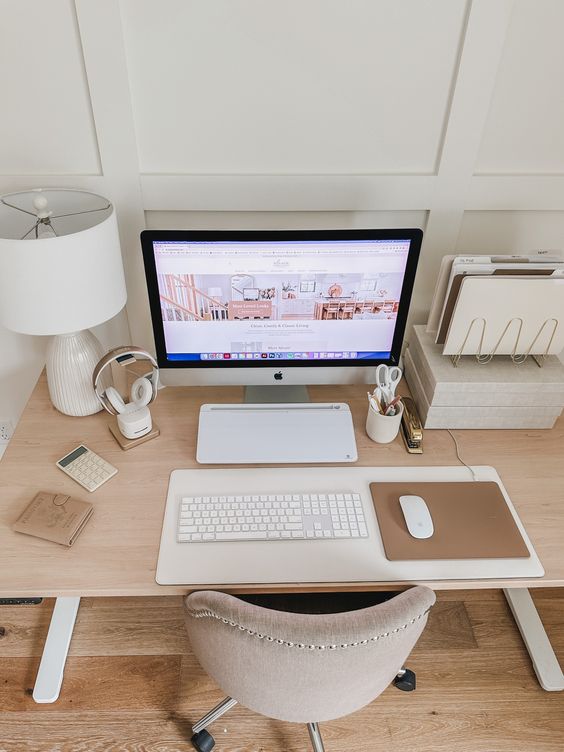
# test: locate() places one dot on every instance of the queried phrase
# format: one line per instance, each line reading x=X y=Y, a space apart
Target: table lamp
x=61 y=272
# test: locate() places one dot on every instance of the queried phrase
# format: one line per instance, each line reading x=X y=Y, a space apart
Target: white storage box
x=499 y=394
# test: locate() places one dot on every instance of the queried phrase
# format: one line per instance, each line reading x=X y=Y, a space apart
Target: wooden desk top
x=117 y=552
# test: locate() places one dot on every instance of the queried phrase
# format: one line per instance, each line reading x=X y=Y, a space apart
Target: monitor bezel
x=148 y=237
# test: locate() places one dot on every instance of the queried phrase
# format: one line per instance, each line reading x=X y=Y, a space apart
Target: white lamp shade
x=55 y=285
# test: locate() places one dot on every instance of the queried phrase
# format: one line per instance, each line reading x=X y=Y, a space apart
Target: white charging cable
x=458 y=454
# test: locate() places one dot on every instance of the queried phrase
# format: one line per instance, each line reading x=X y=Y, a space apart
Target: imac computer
x=278 y=308
x=275 y=311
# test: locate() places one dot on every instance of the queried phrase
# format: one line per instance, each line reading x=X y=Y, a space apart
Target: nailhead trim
x=207 y=614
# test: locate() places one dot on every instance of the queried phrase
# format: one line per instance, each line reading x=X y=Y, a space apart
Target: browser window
x=283 y=300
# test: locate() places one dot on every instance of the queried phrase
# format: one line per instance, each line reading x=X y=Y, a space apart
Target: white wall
x=444 y=114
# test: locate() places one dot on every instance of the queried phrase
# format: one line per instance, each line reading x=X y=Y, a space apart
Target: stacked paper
x=499 y=394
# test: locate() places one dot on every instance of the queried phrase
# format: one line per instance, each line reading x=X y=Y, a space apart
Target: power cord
x=453 y=437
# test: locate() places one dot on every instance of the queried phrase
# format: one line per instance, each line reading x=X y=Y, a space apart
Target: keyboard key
x=238 y=536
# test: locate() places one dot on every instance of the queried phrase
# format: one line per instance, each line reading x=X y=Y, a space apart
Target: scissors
x=387 y=379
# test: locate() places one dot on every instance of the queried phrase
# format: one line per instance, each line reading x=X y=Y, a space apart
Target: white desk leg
x=50 y=674
x=536 y=640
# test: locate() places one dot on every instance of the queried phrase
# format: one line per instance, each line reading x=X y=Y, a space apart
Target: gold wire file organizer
x=517 y=355
x=513 y=316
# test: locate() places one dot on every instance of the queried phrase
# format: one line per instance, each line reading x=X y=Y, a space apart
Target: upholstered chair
x=303 y=668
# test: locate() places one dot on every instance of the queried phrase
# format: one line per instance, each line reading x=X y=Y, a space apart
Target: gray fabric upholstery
x=304 y=667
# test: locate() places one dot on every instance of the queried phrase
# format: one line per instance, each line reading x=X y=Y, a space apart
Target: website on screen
x=256 y=300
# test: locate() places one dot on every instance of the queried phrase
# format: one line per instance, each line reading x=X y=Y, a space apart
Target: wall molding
x=445 y=196
x=105 y=64
x=315 y=192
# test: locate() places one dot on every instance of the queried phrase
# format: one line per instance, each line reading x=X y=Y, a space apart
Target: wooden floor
x=133 y=685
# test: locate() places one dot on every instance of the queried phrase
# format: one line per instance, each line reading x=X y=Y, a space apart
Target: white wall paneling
x=106 y=70
x=250 y=193
x=319 y=113
x=524 y=192
x=22 y=360
x=523 y=133
x=314 y=87
x=46 y=125
x=280 y=220
x=511 y=231
x=484 y=38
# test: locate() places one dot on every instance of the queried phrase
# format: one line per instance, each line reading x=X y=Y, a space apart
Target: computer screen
x=286 y=298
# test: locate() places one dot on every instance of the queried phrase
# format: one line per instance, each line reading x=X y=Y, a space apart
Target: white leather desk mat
x=317 y=561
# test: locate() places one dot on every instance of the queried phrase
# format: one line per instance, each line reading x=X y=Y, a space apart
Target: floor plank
x=98 y=683
x=133 y=685
x=104 y=626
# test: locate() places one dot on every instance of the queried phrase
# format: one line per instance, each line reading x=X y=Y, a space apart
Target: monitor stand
x=257 y=395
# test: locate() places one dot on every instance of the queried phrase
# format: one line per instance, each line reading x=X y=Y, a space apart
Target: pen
x=375 y=402
x=392 y=405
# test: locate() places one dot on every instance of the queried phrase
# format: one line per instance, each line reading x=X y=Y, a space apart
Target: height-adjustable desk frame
x=107 y=561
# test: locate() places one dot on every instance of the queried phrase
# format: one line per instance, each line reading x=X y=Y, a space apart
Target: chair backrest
x=304 y=667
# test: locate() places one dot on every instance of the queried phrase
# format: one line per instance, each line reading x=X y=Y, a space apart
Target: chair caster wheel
x=405 y=680
x=203 y=741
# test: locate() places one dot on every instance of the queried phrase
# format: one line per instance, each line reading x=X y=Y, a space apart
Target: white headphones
x=133 y=417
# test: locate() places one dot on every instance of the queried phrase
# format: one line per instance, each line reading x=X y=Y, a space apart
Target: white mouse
x=417 y=516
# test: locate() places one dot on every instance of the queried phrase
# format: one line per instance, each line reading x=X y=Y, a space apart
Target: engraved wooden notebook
x=54 y=517
x=471 y=521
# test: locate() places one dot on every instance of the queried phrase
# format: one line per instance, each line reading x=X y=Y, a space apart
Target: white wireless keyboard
x=271 y=517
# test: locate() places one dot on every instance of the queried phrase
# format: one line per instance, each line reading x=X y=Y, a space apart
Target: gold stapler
x=411 y=429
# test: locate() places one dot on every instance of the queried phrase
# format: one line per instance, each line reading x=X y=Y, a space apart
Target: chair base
x=405 y=680
x=315 y=737
x=203 y=741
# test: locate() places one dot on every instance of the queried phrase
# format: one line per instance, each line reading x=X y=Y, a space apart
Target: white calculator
x=86 y=467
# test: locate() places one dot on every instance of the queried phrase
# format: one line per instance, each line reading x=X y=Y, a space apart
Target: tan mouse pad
x=471 y=521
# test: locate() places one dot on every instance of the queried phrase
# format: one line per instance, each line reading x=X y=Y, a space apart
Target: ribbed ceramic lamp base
x=71 y=359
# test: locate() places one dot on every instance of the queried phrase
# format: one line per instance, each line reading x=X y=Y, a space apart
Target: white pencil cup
x=383 y=428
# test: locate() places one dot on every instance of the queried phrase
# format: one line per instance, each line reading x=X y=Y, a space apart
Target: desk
x=108 y=559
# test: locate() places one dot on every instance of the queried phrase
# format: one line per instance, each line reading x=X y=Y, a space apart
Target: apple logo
x=278 y=376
